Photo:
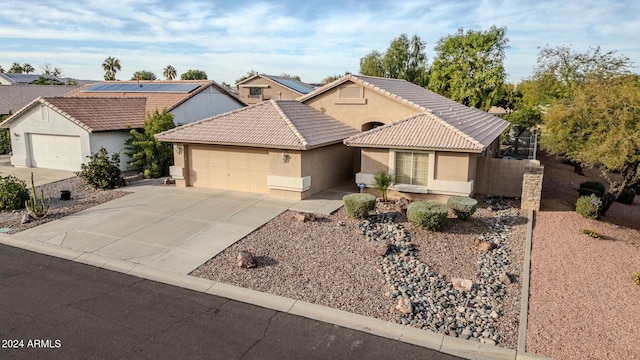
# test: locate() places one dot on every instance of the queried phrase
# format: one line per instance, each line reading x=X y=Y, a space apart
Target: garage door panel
x=229 y=168
x=55 y=151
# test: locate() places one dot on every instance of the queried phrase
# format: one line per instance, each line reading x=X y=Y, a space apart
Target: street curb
x=454 y=346
x=526 y=272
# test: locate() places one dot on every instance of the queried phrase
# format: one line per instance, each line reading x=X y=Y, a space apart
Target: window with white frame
x=412 y=168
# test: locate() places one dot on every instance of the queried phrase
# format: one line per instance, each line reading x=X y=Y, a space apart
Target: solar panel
x=143 y=87
x=293 y=84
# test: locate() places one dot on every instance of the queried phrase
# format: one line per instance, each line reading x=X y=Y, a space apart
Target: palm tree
x=27 y=68
x=16 y=68
x=170 y=72
x=111 y=66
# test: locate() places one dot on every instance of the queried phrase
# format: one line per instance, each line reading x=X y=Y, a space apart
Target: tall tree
x=27 y=68
x=169 y=72
x=16 y=68
x=1 y=69
x=194 y=75
x=468 y=67
x=249 y=74
x=146 y=152
x=561 y=70
x=111 y=66
x=599 y=124
x=289 y=76
x=143 y=75
x=47 y=70
x=404 y=59
x=371 y=64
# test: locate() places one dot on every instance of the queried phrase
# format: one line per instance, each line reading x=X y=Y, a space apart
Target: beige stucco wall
x=327 y=166
x=290 y=168
x=274 y=91
x=373 y=108
x=452 y=166
x=374 y=160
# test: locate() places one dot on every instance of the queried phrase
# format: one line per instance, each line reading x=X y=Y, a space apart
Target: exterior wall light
x=284 y=157
x=179 y=149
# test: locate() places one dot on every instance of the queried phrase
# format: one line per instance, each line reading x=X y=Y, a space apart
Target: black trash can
x=65 y=195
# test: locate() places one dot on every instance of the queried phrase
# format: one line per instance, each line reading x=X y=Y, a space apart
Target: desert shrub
x=13 y=193
x=627 y=197
x=463 y=207
x=102 y=172
x=589 y=206
x=427 y=215
x=359 y=205
x=636 y=278
x=382 y=182
x=594 y=234
x=592 y=187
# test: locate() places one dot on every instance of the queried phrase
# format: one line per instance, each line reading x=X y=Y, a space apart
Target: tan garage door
x=229 y=168
x=55 y=152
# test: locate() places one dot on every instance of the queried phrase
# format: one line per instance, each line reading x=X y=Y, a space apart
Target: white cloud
x=310 y=39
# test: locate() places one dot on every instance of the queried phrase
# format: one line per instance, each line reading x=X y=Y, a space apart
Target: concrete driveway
x=40 y=176
x=169 y=228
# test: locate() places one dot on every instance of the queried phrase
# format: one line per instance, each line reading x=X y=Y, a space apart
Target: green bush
x=147 y=153
x=589 y=206
x=359 y=205
x=627 y=197
x=463 y=207
x=592 y=187
x=5 y=141
x=102 y=172
x=427 y=215
x=13 y=193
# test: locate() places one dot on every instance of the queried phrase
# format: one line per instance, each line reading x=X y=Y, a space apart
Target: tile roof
x=155 y=100
x=285 y=124
x=93 y=114
x=466 y=122
x=15 y=97
x=295 y=85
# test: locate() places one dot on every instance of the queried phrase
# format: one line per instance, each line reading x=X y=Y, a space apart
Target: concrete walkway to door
x=168 y=228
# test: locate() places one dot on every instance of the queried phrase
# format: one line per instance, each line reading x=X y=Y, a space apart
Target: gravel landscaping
x=82 y=197
x=583 y=303
x=334 y=261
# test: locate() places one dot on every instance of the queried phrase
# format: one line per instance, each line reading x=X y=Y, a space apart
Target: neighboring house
x=187 y=100
x=261 y=87
x=14 y=98
x=277 y=147
x=26 y=79
x=62 y=132
x=429 y=143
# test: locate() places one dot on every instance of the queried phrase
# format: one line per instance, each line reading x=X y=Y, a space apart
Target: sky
x=309 y=38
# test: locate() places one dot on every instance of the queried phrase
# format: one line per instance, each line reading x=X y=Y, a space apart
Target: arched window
x=371 y=125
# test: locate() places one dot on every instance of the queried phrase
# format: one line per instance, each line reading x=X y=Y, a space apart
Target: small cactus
x=37 y=208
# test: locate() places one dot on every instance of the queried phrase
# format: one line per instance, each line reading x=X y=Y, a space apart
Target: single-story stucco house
x=277 y=147
x=429 y=143
x=62 y=132
x=261 y=87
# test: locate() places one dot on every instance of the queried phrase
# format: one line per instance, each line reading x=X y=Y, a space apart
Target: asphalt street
x=52 y=308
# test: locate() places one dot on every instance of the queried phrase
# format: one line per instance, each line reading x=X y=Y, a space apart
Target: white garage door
x=236 y=169
x=56 y=152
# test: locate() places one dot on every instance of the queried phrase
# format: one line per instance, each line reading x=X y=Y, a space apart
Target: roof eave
x=415 y=148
